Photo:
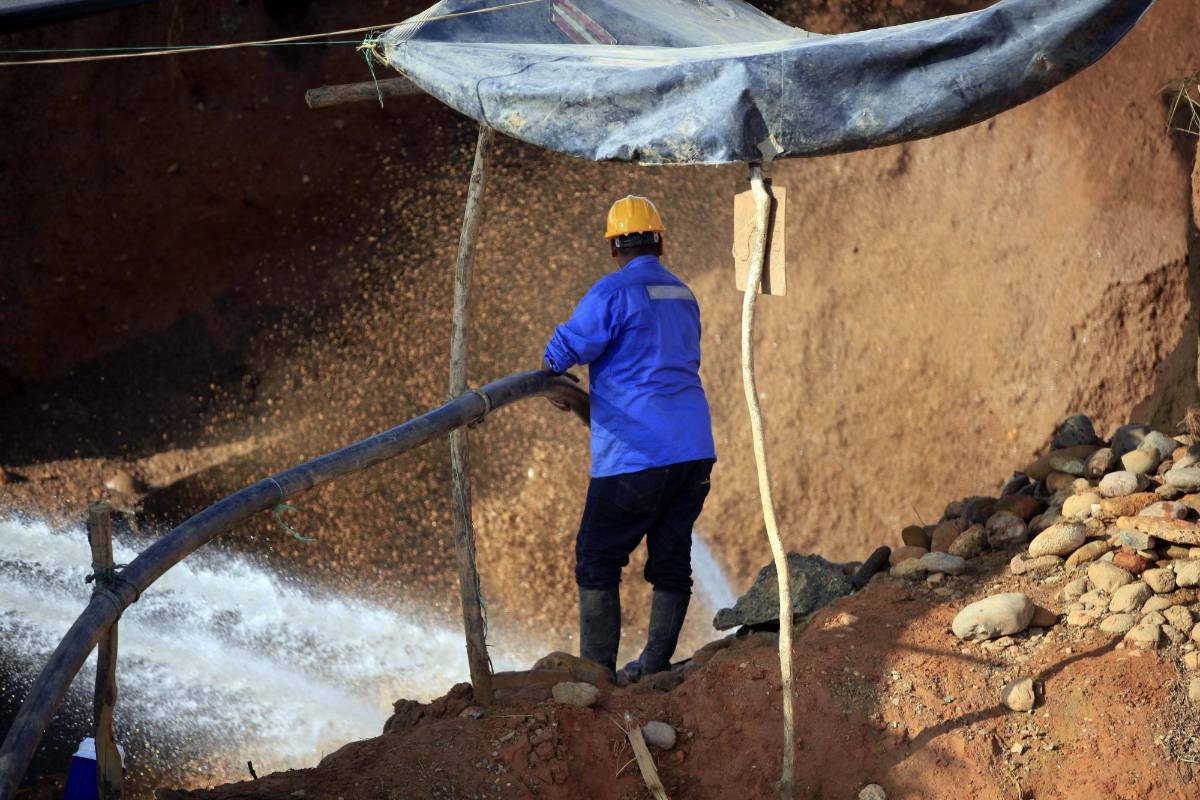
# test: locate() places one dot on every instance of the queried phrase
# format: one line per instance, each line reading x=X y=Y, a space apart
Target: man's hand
x=559 y=404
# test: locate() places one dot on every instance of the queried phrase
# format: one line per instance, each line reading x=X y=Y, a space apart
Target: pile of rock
x=1116 y=519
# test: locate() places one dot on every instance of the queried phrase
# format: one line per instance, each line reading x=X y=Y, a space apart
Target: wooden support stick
x=762 y=202
x=110 y=777
x=342 y=93
x=464 y=532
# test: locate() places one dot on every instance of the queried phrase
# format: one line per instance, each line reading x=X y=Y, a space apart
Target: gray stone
x=1173 y=634
x=575 y=694
x=978 y=509
x=1118 y=623
x=872 y=791
x=1016 y=483
x=1177 y=616
x=1058 y=540
x=1022 y=564
x=1107 y=577
x=1162 y=581
x=1154 y=618
x=1018 y=694
x=1157 y=603
x=1094 y=598
x=1129 y=437
x=995 y=616
x=1051 y=516
x=1166 y=509
x=814 y=583
x=1121 y=483
x=1129 y=598
x=1185 y=478
x=1081 y=619
x=1073 y=431
x=1100 y=463
x=1062 y=484
x=659 y=734
x=1140 y=462
x=1137 y=540
x=955 y=508
x=1073 y=590
x=1068 y=462
x=1079 y=506
x=1159 y=444
x=930 y=562
x=1168 y=492
x=1187 y=573
x=1144 y=635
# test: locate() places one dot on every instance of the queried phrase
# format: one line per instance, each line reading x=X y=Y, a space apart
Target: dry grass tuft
x=1191 y=421
x=1183 y=113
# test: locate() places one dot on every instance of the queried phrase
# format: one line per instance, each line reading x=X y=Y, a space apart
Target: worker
x=638 y=330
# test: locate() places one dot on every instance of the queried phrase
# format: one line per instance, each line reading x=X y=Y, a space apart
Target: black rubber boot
x=667 y=612
x=600 y=625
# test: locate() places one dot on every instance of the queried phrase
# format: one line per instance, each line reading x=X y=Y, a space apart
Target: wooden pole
x=460 y=469
x=110 y=777
x=342 y=93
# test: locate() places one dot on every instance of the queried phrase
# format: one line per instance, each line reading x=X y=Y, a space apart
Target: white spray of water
x=223 y=660
x=711 y=583
x=229 y=657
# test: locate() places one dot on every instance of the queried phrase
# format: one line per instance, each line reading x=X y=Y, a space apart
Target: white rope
x=762 y=206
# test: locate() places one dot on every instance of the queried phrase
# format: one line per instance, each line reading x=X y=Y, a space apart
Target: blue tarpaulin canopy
x=717 y=81
x=18 y=14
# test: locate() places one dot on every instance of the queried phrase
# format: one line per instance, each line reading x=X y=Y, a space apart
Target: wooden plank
x=110 y=777
x=745 y=224
x=645 y=763
x=343 y=93
x=460 y=468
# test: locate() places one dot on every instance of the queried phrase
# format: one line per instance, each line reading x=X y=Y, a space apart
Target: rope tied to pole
x=762 y=204
x=108 y=581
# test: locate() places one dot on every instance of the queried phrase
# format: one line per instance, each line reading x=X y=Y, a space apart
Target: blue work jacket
x=639 y=331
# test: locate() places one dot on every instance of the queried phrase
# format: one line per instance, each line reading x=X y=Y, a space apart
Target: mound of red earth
x=970 y=676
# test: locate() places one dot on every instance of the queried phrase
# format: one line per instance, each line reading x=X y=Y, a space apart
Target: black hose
x=105 y=607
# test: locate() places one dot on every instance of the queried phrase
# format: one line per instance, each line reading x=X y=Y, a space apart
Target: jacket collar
x=642 y=261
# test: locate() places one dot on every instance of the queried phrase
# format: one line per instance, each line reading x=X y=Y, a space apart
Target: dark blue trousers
x=660 y=504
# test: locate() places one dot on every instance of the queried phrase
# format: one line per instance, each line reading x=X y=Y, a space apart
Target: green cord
x=278 y=511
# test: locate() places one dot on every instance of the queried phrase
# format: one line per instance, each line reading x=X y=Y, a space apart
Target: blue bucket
x=81 y=777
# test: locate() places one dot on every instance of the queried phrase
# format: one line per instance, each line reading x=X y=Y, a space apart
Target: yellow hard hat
x=633 y=214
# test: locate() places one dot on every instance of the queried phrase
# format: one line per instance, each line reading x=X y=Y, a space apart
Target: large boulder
x=814 y=582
